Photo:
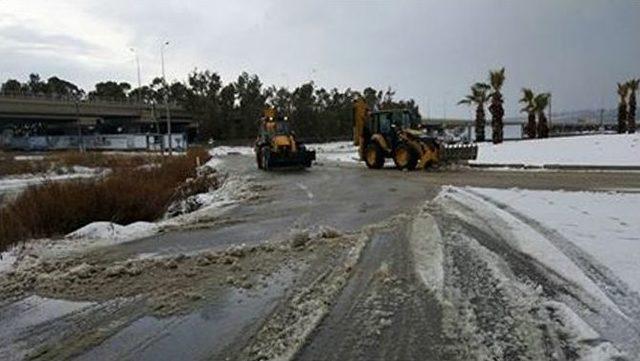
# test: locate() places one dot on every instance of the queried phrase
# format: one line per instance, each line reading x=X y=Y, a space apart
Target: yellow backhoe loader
x=394 y=134
x=277 y=146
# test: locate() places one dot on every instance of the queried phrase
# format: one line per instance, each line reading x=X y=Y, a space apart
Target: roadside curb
x=556 y=166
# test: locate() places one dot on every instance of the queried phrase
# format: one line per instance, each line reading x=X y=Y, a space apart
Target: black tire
x=405 y=157
x=265 y=158
x=373 y=156
x=259 y=158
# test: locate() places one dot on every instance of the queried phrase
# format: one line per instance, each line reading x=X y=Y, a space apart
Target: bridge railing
x=84 y=100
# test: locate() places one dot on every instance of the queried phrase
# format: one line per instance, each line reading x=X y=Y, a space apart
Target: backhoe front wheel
x=405 y=158
x=373 y=156
x=265 y=153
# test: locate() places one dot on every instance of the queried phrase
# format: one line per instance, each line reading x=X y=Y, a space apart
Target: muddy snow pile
x=588 y=150
x=284 y=334
x=170 y=284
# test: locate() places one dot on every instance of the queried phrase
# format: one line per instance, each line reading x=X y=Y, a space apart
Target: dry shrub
x=124 y=196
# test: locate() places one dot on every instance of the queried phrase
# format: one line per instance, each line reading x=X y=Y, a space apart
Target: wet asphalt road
x=347 y=197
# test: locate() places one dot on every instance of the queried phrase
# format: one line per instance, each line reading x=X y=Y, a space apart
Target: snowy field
x=593 y=150
x=589 y=150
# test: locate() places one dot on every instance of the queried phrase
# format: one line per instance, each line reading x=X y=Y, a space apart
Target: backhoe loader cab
x=394 y=134
x=276 y=145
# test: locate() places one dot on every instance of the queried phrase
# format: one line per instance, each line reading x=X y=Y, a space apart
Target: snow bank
x=7 y=259
x=113 y=232
x=605 y=225
x=594 y=150
x=228 y=150
x=234 y=189
x=524 y=238
x=217 y=153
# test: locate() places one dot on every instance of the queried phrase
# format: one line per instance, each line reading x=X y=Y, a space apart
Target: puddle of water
x=196 y=336
x=19 y=319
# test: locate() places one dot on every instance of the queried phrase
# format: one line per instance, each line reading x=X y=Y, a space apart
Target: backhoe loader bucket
x=299 y=159
x=456 y=152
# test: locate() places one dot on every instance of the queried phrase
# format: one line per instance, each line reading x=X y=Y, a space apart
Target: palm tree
x=623 y=89
x=496 y=79
x=541 y=103
x=631 y=117
x=479 y=97
x=529 y=101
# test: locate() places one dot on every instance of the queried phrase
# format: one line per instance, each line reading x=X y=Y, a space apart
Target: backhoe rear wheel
x=373 y=156
x=405 y=158
x=259 y=158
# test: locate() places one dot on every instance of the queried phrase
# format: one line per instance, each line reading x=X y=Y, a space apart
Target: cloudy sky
x=429 y=50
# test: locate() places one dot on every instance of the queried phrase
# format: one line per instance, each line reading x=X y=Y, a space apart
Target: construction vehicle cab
x=277 y=146
x=395 y=134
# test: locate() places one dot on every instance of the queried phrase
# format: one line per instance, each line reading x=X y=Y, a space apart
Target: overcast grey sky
x=429 y=50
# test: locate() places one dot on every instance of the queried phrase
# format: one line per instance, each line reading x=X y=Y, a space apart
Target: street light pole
x=138 y=66
x=166 y=97
x=80 y=141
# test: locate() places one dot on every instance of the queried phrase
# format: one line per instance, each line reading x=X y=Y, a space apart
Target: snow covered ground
x=605 y=225
x=588 y=150
x=13 y=184
x=595 y=150
x=344 y=152
x=217 y=153
x=587 y=241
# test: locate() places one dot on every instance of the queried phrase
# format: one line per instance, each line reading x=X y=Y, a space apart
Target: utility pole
x=601 y=120
x=550 y=123
x=80 y=141
x=166 y=97
x=139 y=80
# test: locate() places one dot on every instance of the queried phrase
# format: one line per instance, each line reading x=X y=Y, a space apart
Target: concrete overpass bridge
x=41 y=123
x=16 y=111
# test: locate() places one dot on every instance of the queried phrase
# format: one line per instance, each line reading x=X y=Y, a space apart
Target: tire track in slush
x=383 y=313
x=527 y=279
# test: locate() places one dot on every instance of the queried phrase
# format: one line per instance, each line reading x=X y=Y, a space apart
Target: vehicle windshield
x=401 y=120
x=282 y=127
